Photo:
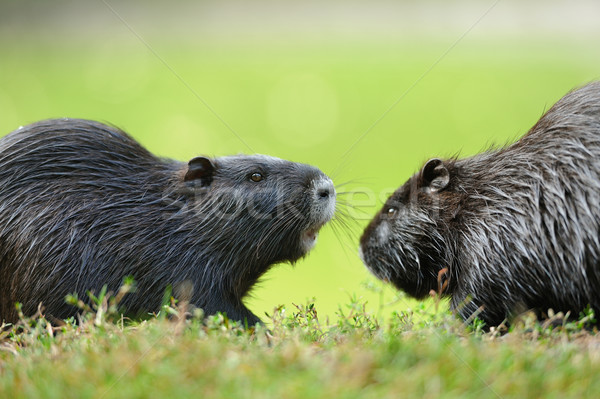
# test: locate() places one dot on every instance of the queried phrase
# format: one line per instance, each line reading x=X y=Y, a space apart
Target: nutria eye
x=391 y=211
x=256 y=177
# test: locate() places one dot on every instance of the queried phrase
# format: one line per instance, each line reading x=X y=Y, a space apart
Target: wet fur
x=82 y=205
x=518 y=227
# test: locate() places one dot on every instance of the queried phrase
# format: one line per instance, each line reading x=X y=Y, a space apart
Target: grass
x=413 y=354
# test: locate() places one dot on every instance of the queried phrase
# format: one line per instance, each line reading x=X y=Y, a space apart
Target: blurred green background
x=365 y=90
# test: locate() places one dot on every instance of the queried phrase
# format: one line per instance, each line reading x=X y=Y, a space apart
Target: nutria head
x=406 y=242
x=270 y=208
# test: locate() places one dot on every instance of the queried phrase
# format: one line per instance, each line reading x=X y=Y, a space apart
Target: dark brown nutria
x=517 y=228
x=83 y=205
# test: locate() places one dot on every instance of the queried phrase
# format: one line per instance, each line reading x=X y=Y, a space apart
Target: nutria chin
x=83 y=205
x=517 y=227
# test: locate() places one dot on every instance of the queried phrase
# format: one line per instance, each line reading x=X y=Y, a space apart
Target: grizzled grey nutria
x=515 y=228
x=83 y=205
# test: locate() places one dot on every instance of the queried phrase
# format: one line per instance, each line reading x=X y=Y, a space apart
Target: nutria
x=511 y=229
x=83 y=205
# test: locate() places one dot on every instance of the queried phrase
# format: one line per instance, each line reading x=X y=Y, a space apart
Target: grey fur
x=82 y=205
x=517 y=227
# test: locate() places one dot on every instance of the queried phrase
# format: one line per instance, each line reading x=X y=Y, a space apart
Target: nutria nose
x=324 y=189
x=323 y=193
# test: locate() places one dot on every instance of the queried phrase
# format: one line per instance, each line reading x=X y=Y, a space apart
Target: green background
x=366 y=91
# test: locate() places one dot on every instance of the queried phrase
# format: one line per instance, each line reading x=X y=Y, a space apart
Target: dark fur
x=82 y=205
x=518 y=228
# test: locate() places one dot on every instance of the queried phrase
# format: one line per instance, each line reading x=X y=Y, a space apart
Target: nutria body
x=83 y=205
x=517 y=228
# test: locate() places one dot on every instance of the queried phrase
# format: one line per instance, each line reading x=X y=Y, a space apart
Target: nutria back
x=84 y=205
x=517 y=228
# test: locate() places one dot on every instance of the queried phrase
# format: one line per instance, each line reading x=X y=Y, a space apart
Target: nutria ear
x=434 y=175
x=200 y=168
